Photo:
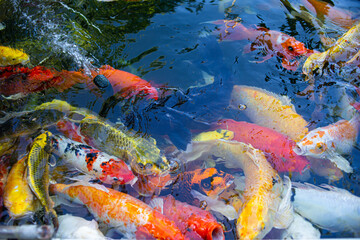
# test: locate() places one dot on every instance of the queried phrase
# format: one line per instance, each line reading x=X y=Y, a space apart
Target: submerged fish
x=106 y=168
x=275 y=43
x=331 y=142
x=263 y=184
x=189 y=218
x=119 y=210
x=277 y=147
x=10 y=56
x=330 y=208
x=127 y=84
x=72 y=227
x=141 y=153
x=270 y=110
x=38 y=173
x=18 y=197
x=300 y=229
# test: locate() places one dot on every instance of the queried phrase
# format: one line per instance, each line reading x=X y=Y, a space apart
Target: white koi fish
x=328 y=207
x=331 y=142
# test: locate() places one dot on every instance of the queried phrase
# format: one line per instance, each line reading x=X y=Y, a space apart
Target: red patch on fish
x=277 y=147
x=115 y=168
x=70 y=130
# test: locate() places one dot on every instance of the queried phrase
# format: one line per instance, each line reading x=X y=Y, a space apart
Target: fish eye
x=321 y=147
x=149 y=166
x=290 y=48
x=141 y=166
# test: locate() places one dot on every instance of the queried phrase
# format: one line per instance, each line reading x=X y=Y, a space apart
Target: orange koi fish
x=275 y=43
x=119 y=210
x=209 y=181
x=189 y=218
x=4 y=164
x=277 y=147
x=270 y=110
x=106 y=168
x=331 y=142
x=324 y=10
x=128 y=84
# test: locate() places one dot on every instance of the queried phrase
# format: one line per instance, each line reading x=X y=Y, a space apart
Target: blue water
x=169 y=44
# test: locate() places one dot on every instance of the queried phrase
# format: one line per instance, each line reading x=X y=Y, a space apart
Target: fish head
x=210 y=181
x=293 y=47
x=313 y=63
x=116 y=171
x=313 y=144
x=10 y=56
x=150 y=165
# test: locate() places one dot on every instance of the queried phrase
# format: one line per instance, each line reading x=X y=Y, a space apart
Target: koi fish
x=330 y=208
x=38 y=173
x=300 y=228
x=275 y=43
x=106 y=168
x=127 y=84
x=263 y=186
x=331 y=142
x=277 y=147
x=189 y=218
x=324 y=10
x=209 y=181
x=18 y=197
x=343 y=50
x=10 y=56
x=141 y=153
x=4 y=164
x=269 y=110
x=72 y=227
x=70 y=130
x=119 y=210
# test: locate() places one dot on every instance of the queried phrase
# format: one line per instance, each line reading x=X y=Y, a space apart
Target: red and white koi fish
x=120 y=210
x=189 y=218
x=331 y=142
x=274 y=42
x=106 y=168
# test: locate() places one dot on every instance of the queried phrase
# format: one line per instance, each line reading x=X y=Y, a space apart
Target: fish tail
x=52 y=219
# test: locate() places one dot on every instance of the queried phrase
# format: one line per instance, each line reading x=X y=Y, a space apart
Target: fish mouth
x=298 y=150
x=159 y=168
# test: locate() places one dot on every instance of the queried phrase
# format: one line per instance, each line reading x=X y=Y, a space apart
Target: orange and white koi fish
x=106 y=168
x=263 y=184
x=189 y=218
x=269 y=110
x=120 y=210
x=18 y=197
x=275 y=43
x=10 y=56
x=331 y=142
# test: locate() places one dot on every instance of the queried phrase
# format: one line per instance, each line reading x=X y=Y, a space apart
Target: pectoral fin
x=285 y=214
x=340 y=161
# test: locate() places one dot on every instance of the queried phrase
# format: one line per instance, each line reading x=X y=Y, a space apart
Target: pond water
x=171 y=44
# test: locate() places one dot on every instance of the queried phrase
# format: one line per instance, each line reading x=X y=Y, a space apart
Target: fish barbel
x=10 y=56
x=331 y=142
x=141 y=153
x=263 y=186
x=106 y=168
x=269 y=110
x=18 y=197
x=343 y=50
x=38 y=173
x=119 y=210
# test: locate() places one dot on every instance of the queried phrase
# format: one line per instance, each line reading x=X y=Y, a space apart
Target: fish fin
x=335 y=189
x=157 y=204
x=290 y=65
x=285 y=213
x=339 y=161
x=83 y=180
x=267 y=57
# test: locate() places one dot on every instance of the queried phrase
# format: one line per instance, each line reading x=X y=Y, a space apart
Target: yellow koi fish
x=10 y=56
x=343 y=50
x=18 y=197
x=38 y=173
x=263 y=186
x=269 y=110
x=331 y=142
